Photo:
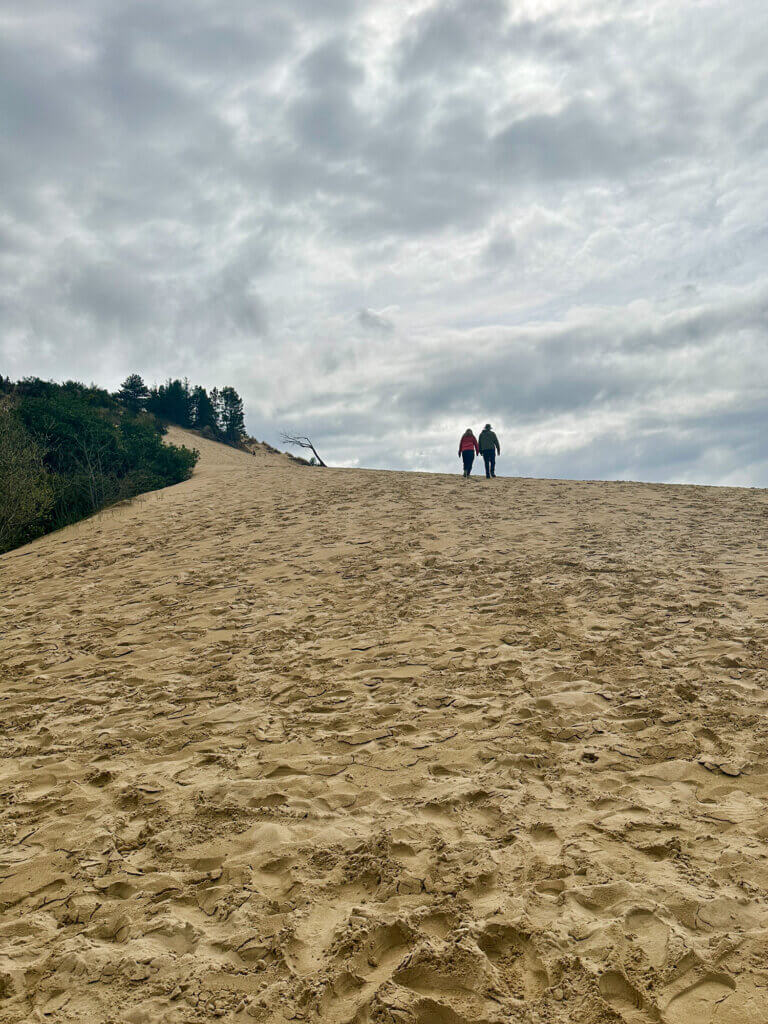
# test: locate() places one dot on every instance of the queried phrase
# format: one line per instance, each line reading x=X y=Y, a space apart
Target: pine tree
x=203 y=412
x=133 y=392
x=172 y=401
x=215 y=397
x=232 y=419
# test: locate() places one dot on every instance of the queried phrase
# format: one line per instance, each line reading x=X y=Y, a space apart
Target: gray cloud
x=501 y=248
x=565 y=208
x=447 y=36
x=108 y=292
x=375 y=322
x=585 y=140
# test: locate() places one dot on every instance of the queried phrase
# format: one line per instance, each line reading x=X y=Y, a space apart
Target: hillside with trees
x=218 y=414
x=69 y=450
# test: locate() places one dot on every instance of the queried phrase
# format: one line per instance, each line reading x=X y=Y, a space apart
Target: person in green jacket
x=489 y=446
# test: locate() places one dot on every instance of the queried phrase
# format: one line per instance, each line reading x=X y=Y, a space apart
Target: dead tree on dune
x=299 y=441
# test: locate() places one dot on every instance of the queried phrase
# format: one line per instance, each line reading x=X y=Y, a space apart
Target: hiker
x=468 y=448
x=489 y=445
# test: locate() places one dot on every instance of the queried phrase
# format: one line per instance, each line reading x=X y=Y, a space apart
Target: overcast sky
x=386 y=221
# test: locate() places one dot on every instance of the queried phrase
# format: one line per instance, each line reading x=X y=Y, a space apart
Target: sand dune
x=290 y=744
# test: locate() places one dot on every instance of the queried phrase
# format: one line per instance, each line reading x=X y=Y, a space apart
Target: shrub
x=67 y=451
x=26 y=494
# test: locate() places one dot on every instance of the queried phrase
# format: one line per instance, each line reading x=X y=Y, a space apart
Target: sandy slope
x=292 y=744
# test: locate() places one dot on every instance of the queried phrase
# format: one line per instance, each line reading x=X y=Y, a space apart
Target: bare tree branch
x=299 y=441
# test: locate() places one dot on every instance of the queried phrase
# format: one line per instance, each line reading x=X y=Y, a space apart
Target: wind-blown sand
x=292 y=744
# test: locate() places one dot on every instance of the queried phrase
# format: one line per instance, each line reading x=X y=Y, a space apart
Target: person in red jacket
x=468 y=449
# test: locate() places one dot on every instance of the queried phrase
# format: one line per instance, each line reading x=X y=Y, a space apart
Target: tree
x=232 y=419
x=133 y=392
x=172 y=401
x=203 y=411
x=216 y=403
x=26 y=495
x=299 y=441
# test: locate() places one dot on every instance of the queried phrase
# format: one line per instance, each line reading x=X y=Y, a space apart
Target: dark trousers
x=469 y=458
x=489 y=458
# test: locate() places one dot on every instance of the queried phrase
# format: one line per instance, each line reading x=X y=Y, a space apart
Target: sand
x=283 y=743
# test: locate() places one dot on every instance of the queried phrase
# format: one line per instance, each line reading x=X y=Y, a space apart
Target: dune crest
x=291 y=744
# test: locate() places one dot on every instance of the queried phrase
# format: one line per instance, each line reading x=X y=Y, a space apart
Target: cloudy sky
x=383 y=222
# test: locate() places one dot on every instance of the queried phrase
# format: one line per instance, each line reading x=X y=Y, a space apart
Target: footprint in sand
x=437 y=925
x=438 y=979
x=630 y=819
x=600 y=899
x=545 y=839
x=353 y=988
x=443 y=818
x=429 y=1011
x=699 y=1001
x=625 y=999
x=174 y=936
x=515 y=958
x=652 y=934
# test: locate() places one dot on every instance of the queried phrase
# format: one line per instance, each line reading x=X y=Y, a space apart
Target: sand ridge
x=292 y=744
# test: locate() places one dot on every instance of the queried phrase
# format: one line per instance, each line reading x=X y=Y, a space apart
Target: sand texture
x=287 y=744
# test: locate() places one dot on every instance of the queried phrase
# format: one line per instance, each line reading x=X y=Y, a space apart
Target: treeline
x=218 y=414
x=68 y=450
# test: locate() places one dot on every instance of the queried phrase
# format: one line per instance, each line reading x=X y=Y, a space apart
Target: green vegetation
x=232 y=422
x=218 y=415
x=26 y=494
x=67 y=450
